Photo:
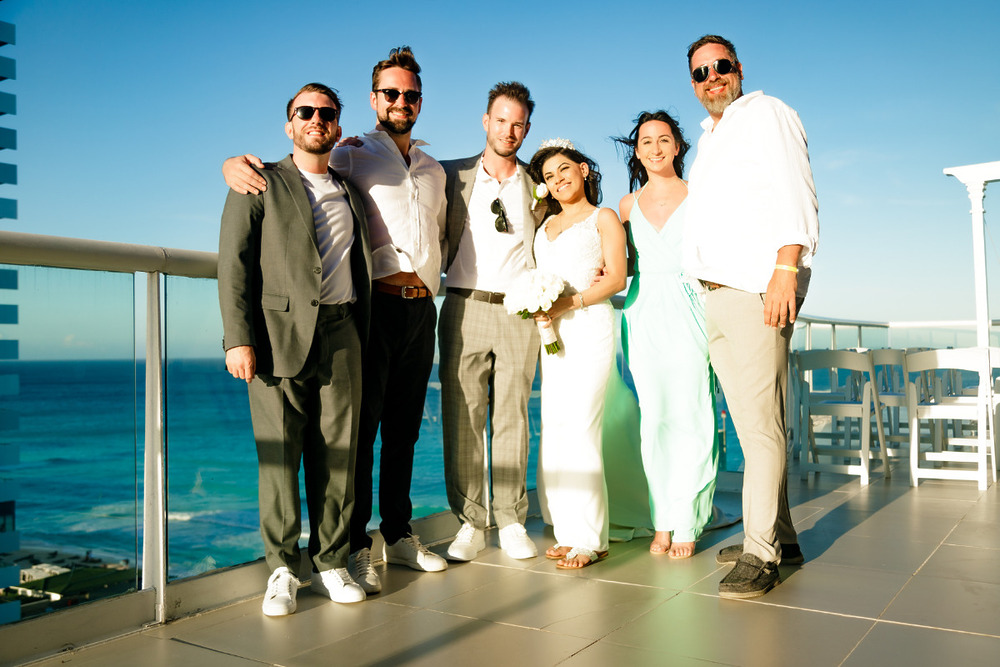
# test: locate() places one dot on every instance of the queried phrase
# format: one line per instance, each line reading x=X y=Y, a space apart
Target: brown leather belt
x=402 y=291
x=477 y=294
x=710 y=286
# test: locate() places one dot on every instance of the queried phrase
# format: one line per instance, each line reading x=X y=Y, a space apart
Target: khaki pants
x=751 y=361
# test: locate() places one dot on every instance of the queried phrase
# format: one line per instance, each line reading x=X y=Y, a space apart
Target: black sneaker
x=791 y=554
x=751 y=578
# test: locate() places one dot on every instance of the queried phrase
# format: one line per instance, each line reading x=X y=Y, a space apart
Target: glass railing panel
x=211 y=457
x=70 y=403
x=933 y=337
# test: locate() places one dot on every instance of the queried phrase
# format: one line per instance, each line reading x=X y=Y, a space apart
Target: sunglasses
x=391 y=95
x=326 y=114
x=722 y=66
x=501 y=223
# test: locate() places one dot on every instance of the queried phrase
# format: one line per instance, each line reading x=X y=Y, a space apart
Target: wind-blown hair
x=637 y=176
x=712 y=39
x=401 y=57
x=592 y=184
x=315 y=88
x=516 y=91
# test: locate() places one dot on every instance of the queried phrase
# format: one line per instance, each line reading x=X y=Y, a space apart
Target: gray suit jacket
x=270 y=272
x=461 y=177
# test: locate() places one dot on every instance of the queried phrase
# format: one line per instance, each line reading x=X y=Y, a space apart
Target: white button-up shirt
x=404 y=204
x=487 y=259
x=751 y=192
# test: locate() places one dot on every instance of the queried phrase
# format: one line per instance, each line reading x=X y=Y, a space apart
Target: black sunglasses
x=501 y=223
x=391 y=95
x=326 y=114
x=722 y=66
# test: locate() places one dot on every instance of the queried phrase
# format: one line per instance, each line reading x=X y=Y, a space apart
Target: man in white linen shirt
x=750 y=235
x=490 y=231
x=403 y=192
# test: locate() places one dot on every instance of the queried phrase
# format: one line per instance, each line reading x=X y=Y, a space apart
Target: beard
x=716 y=104
x=397 y=126
x=314 y=145
x=502 y=150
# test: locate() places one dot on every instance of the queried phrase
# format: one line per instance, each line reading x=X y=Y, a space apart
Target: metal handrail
x=68 y=253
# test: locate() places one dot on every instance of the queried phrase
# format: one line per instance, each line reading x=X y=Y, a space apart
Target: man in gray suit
x=488 y=358
x=295 y=290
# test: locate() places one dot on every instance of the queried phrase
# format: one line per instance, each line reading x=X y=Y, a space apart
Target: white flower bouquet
x=533 y=293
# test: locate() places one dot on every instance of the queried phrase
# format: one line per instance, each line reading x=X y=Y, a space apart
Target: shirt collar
x=383 y=137
x=483 y=176
x=736 y=105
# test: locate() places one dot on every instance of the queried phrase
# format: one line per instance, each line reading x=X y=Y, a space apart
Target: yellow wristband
x=786 y=267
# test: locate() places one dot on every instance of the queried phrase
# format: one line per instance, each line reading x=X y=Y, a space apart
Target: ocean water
x=81 y=442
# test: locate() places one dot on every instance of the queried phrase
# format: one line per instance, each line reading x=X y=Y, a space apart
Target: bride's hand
x=560 y=307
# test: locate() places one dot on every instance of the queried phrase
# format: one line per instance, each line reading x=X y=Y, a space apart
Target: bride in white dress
x=577 y=242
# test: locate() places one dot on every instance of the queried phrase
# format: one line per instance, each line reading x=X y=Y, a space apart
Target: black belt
x=477 y=294
x=402 y=291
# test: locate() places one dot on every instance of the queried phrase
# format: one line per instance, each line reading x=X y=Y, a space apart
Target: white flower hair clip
x=558 y=142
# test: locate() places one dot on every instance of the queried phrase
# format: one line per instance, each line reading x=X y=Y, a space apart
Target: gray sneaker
x=751 y=578
x=791 y=554
x=359 y=566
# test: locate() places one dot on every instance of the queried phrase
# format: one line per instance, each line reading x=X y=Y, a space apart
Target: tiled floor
x=893 y=576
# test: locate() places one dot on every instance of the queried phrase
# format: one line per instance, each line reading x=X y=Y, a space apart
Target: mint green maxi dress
x=666 y=348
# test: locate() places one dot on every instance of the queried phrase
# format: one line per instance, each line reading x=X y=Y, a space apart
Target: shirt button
x=318 y=269
x=314 y=302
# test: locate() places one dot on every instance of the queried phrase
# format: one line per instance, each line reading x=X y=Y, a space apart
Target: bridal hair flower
x=540 y=192
x=558 y=142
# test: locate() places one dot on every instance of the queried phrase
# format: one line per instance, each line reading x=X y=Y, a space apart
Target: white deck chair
x=892 y=374
x=856 y=398
x=954 y=453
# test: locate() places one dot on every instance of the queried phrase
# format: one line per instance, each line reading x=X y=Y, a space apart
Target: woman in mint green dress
x=663 y=335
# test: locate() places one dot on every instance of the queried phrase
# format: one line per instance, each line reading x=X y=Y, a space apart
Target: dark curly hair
x=637 y=176
x=592 y=185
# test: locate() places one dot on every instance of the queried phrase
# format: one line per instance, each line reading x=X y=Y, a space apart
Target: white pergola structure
x=975 y=177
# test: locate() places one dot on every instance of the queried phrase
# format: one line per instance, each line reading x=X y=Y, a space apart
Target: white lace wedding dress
x=571 y=484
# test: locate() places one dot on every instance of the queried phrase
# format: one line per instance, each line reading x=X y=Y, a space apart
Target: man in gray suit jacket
x=295 y=292
x=490 y=231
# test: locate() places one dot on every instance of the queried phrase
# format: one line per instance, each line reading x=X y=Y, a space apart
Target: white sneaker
x=279 y=599
x=337 y=585
x=515 y=542
x=468 y=542
x=359 y=566
x=409 y=551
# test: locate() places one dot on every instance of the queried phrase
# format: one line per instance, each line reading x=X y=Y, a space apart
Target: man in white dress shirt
x=488 y=357
x=750 y=235
x=403 y=192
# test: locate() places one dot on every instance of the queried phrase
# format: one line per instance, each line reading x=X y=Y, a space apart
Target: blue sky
x=126 y=110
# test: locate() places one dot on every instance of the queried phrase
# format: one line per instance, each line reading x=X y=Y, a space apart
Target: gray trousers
x=751 y=361
x=312 y=418
x=487 y=365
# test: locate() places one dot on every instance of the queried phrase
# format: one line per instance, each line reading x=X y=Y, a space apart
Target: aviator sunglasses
x=326 y=114
x=722 y=66
x=501 y=223
x=391 y=95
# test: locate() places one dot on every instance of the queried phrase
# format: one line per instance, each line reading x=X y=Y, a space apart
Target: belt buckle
x=402 y=291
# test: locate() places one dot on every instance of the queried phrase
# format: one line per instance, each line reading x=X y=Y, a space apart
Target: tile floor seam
x=858 y=643
x=762 y=601
x=215 y=650
x=937 y=627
